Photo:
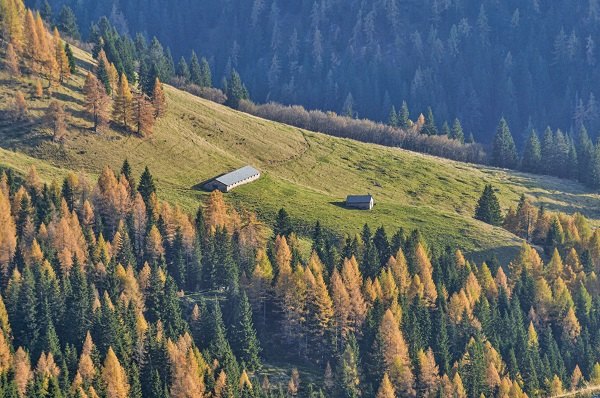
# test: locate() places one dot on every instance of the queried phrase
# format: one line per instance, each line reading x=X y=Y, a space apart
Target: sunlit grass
x=307 y=173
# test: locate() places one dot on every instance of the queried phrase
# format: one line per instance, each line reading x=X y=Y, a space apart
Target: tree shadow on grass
x=66 y=98
x=20 y=133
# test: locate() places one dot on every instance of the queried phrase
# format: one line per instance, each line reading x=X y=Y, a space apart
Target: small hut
x=363 y=202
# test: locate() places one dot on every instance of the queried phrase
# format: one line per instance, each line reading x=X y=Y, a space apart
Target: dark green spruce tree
x=283 y=224
x=147 y=186
x=393 y=117
x=430 y=128
x=236 y=91
x=183 y=71
x=205 y=73
x=102 y=74
x=403 y=116
x=245 y=343
x=555 y=237
x=67 y=23
x=488 y=207
x=70 y=58
x=504 y=151
x=457 y=132
x=195 y=70
x=532 y=154
x=548 y=152
x=446 y=130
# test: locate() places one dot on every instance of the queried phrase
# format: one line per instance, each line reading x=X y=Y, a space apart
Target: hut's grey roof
x=237 y=175
x=352 y=199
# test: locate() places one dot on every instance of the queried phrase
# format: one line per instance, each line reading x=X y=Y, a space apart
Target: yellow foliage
x=386 y=390
x=22 y=370
x=114 y=377
x=187 y=369
x=5 y=355
x=8 y=233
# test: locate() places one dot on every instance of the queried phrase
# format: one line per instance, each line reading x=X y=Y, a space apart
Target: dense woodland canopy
x=533 y=62
x=106 y=291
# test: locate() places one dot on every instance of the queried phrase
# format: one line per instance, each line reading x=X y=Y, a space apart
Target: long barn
x=227 y=182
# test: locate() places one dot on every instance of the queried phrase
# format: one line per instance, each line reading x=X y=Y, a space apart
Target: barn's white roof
x=238 y=175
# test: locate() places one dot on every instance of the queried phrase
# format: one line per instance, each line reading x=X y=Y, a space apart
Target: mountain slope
x=307 y=173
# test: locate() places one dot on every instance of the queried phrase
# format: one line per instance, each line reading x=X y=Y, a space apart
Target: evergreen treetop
x=488 y=207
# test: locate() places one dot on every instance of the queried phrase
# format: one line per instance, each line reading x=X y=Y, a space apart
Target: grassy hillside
x=307 y=173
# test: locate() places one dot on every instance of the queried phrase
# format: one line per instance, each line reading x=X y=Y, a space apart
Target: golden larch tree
x=22 y=371
x=556 y=386
x=458 y=386
x=532 y=337
x=353 y=282
x=32 y=43
x=45 y=56
x=319 y=303
x=555 y=268
x=12 y=61
x=576 y=378
x=527 y=259
x=142 y=114
x=595 y=375
x=389 y=289
x=283 y=261
x=341 y=305
x=56 y=119
x=394 y=352
x=492 y=377
x=4 y=322
x=386 y=390
x=399 y=268
x=47 y=367
x=97 y=102
x=154 y=244
x=159 y=100
x=244 y=382
x=20 y=106
x=60 y=56
x=123 y=103
x=446 y=388
x=114 y=377
x=502 y=281
x=220 y=385
x=260 y=282
x=429 y=377
x=187 y=369
x=8 y=233
x=570 y=325
x=472 y=289
x=5 y=354
x=487 y=282
x=12 y=13
x=425 y=271
x=216 y=211
x=86 y=368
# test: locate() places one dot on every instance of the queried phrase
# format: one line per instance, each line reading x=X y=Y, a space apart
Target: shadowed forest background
x=532 y=62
